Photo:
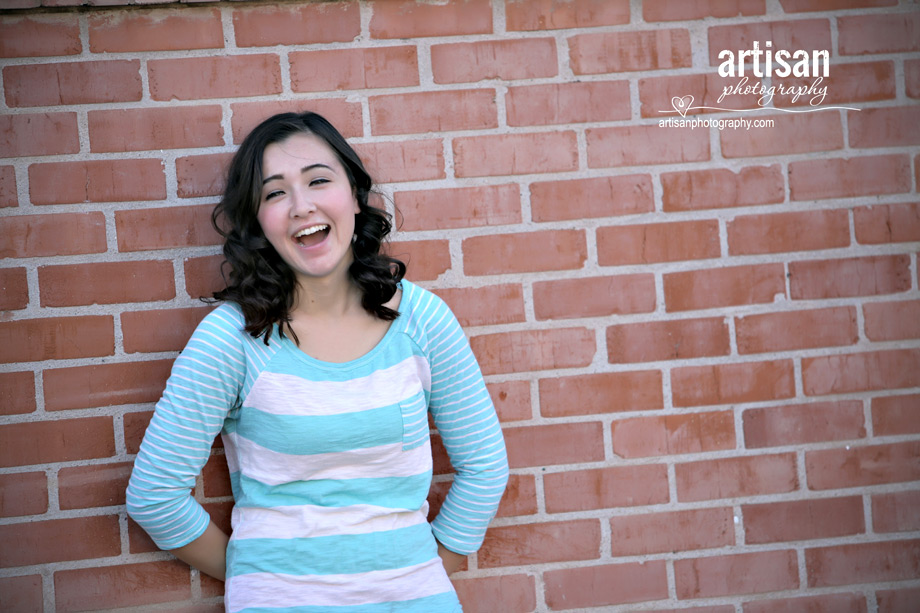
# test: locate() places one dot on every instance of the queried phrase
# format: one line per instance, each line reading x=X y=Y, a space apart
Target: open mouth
x=311 y=236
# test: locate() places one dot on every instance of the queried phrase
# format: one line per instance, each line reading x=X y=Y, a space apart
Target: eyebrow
x=302 y=171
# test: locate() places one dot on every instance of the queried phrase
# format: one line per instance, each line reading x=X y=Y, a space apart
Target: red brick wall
x=704 y=346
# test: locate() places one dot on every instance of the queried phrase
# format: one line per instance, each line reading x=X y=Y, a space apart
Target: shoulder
x=421 y=306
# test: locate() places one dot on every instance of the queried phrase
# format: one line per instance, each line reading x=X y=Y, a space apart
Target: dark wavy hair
x=258 y=279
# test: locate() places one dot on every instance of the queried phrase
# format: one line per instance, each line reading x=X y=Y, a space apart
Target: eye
x=318 y=181
x=272 y=194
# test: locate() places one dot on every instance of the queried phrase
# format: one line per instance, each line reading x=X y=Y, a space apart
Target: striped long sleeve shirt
x=330 y=463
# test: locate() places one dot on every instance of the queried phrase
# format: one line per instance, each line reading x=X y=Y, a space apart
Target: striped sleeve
x=465 y=417
x=204 y=385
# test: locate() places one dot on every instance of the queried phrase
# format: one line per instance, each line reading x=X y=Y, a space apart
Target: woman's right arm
x=204 y=385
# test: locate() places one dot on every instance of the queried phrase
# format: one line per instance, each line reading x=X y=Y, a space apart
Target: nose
x=301 y=203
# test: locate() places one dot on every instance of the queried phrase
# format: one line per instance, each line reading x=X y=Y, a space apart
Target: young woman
x=319 y=370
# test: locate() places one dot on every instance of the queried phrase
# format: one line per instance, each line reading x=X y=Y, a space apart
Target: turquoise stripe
x=331 y=555
x=312 y=434
x=390 y=492
x=442 y=603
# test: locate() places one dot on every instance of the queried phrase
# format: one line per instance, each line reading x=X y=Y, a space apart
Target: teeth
x=310 y=230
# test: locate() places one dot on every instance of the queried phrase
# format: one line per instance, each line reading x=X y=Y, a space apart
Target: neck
x=326 y=297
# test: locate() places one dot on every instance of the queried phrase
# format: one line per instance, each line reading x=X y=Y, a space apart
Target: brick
x=17 y=392
x=489 y=305
x=732 y=383
x=202 y=276
x=96 y=485
x=641 y=437
x=656 y=94
x=342 y=69
x=29 y=236
x=523 y=58
x=134 y=426
x=532 y=350
x=42 y=542
x=529 y=15
x=39 y=35
x=863 y=563
x=558 y=103
x=744 y=573
x=658 y=242
x=151 y=583
x=608 y=584
x=800 y=520
x=798 y=34
x=893 y=415
x=890 y=321
x=672 y=531
x=736 y=477
x=608 y=52
x=554 y=444
x=593 y=197
x=23 y=494
x=798 y=424
x=440 y=111
x=159 y=330
x=785 y=232
x=425 y=260
x=861 y=466
x=216 y=477
x=681 y=10
x=606 y=488
x=594 y=296
x=511 y=399
x=202 y=175
x=28 y=134
x=229 y=76
x=892 y=126
x=520 y=497
x=802 y=6
x=721 y=287
x=345 y=116
x=165 y=228
x=162 y=30
x=830 y=327
x=106 y=283
x=847 y=178
x=912 y=78
x=503 y=592
x=847 y=83
x=460 y=207
x=139 y=129
x=824 y=603
x=541 y=543
x=408 y=19
x=515 y=154
x=599 y=393
x=56 y=338
x=9 y=196
x=14 y=289
x=865 y=276
x=887 y=223
x=639 y=145
x=395 y=162
x=798 y=133
x=99 y=385
x=720 y=188
x=267 y=26
x=667 y=340
x=897 y=601
x=896 y=512
x=23 y=593
x=870 y=370
x=97 y=181
x=72 y=83
x=889 y=33
x=534 y=251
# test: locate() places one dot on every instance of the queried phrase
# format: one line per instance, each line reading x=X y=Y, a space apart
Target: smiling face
x=307 y=209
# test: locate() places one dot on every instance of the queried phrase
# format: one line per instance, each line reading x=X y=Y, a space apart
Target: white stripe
x=274 y=468
x=282 y=394
x=308 y=521
x=267 y=590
